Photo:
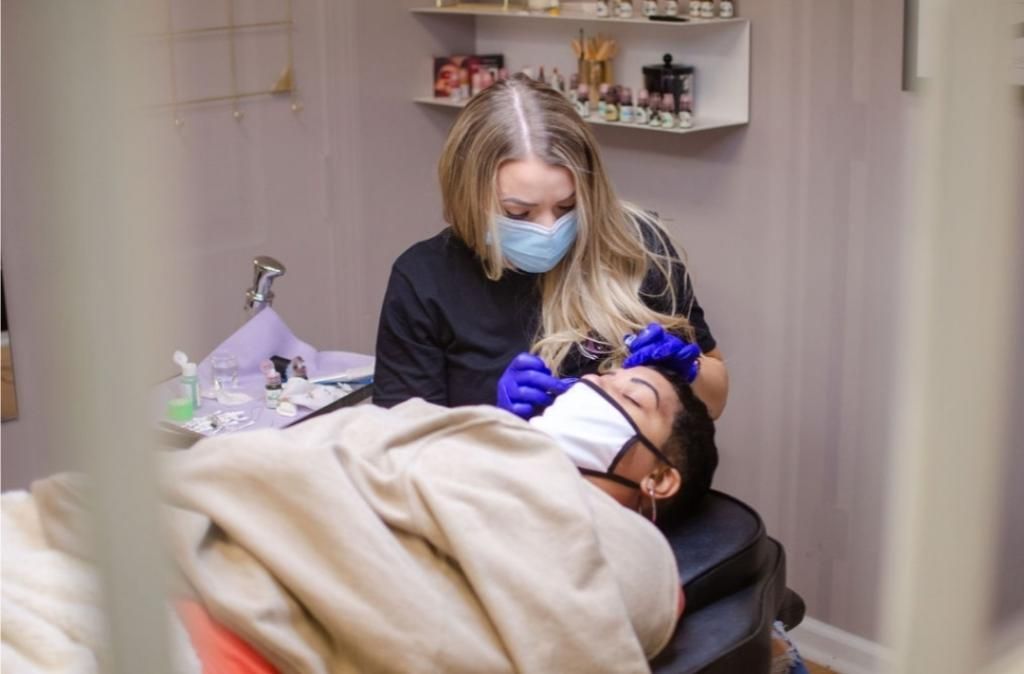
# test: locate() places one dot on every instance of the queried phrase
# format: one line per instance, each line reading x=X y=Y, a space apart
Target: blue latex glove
x=653 y=345
x=527 y=386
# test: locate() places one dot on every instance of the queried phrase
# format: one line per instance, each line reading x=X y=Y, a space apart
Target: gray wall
x=793 y=226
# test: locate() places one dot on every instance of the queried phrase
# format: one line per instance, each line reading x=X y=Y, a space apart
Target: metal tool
x=259 y=296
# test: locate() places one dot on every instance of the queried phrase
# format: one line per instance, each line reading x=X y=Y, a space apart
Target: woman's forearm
x=712 y=382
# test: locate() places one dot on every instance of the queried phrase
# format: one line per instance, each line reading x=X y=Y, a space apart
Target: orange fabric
x=220 y=650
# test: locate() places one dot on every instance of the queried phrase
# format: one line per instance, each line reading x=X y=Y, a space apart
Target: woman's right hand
x=527 y=386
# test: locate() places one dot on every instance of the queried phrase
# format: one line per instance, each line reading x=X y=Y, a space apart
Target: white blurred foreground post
x=951 y=413
x=112 y=288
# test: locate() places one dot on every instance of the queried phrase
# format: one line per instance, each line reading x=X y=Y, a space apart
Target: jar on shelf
x=672 y=80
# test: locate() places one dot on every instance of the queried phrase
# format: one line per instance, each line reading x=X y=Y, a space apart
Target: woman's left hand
x=654 y=345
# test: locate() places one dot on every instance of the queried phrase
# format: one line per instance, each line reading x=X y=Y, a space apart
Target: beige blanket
x=418 y=539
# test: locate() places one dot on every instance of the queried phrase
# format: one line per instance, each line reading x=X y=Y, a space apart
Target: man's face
x=651 y=402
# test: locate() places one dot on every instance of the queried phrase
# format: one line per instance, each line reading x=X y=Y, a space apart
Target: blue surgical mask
x=535 y=248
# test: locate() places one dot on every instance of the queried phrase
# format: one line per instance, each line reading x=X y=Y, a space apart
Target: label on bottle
x=273 y=398
x=626 y=114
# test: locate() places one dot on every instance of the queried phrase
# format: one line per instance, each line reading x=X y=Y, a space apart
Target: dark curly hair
x=691 y=449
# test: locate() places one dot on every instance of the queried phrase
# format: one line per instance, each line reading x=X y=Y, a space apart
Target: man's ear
x=666 y=481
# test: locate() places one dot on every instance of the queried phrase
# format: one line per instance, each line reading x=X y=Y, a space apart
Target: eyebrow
x=520 y=202
x=657 y=397
x=517 y=202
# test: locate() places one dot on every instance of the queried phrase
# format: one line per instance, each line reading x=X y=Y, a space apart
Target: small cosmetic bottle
x=726 y=9
x=685 y=119
x=602 y=8
x=624 y=9
x=641 y=113
x=602 y=100
x=695 y=8
x=626 y=106
x=583 y=101
x=190 y=384
x=655 y=107
x=273 y=390
x=668 y=113
x=671 y=7
x=574 y=87
x=650 y=7
x=611 y=105
x=707 y=9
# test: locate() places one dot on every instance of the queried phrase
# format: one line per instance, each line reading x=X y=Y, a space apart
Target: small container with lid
x=611 y=105
x=668 y=113
x=654 y=118
x=642 y=113
x=273 y=390
x=626 y=110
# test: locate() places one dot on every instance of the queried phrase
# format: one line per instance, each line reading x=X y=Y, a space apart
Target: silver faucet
x=259 y=296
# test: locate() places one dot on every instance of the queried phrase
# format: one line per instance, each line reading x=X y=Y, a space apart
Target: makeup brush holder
x=598 y=73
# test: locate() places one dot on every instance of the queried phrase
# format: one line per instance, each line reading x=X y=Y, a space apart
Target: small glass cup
x=225 y=370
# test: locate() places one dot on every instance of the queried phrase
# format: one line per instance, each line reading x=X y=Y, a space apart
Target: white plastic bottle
x=707 y=9
x=602 y=8
x=695 y=8
x=671 y=7
x=189 y=382
x=650 y=7
x=624 y=10
x=726 y=9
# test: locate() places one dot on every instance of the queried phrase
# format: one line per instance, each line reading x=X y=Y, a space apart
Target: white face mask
x=593 y=430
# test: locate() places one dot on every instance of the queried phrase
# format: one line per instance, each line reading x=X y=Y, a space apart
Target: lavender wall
x=793 y=226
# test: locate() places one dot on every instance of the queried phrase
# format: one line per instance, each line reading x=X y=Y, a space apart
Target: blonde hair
x=593 y=294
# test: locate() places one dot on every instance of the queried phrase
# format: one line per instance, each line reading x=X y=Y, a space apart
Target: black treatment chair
x=734 y=577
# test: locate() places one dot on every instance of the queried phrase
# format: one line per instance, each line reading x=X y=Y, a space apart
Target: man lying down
x=428 y=539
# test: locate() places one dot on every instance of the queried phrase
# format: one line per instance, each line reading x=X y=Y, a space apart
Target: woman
x=542 y=269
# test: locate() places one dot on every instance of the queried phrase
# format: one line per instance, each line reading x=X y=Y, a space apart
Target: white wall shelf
x=718 y=49
x=489 y=10
x=703 y=124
